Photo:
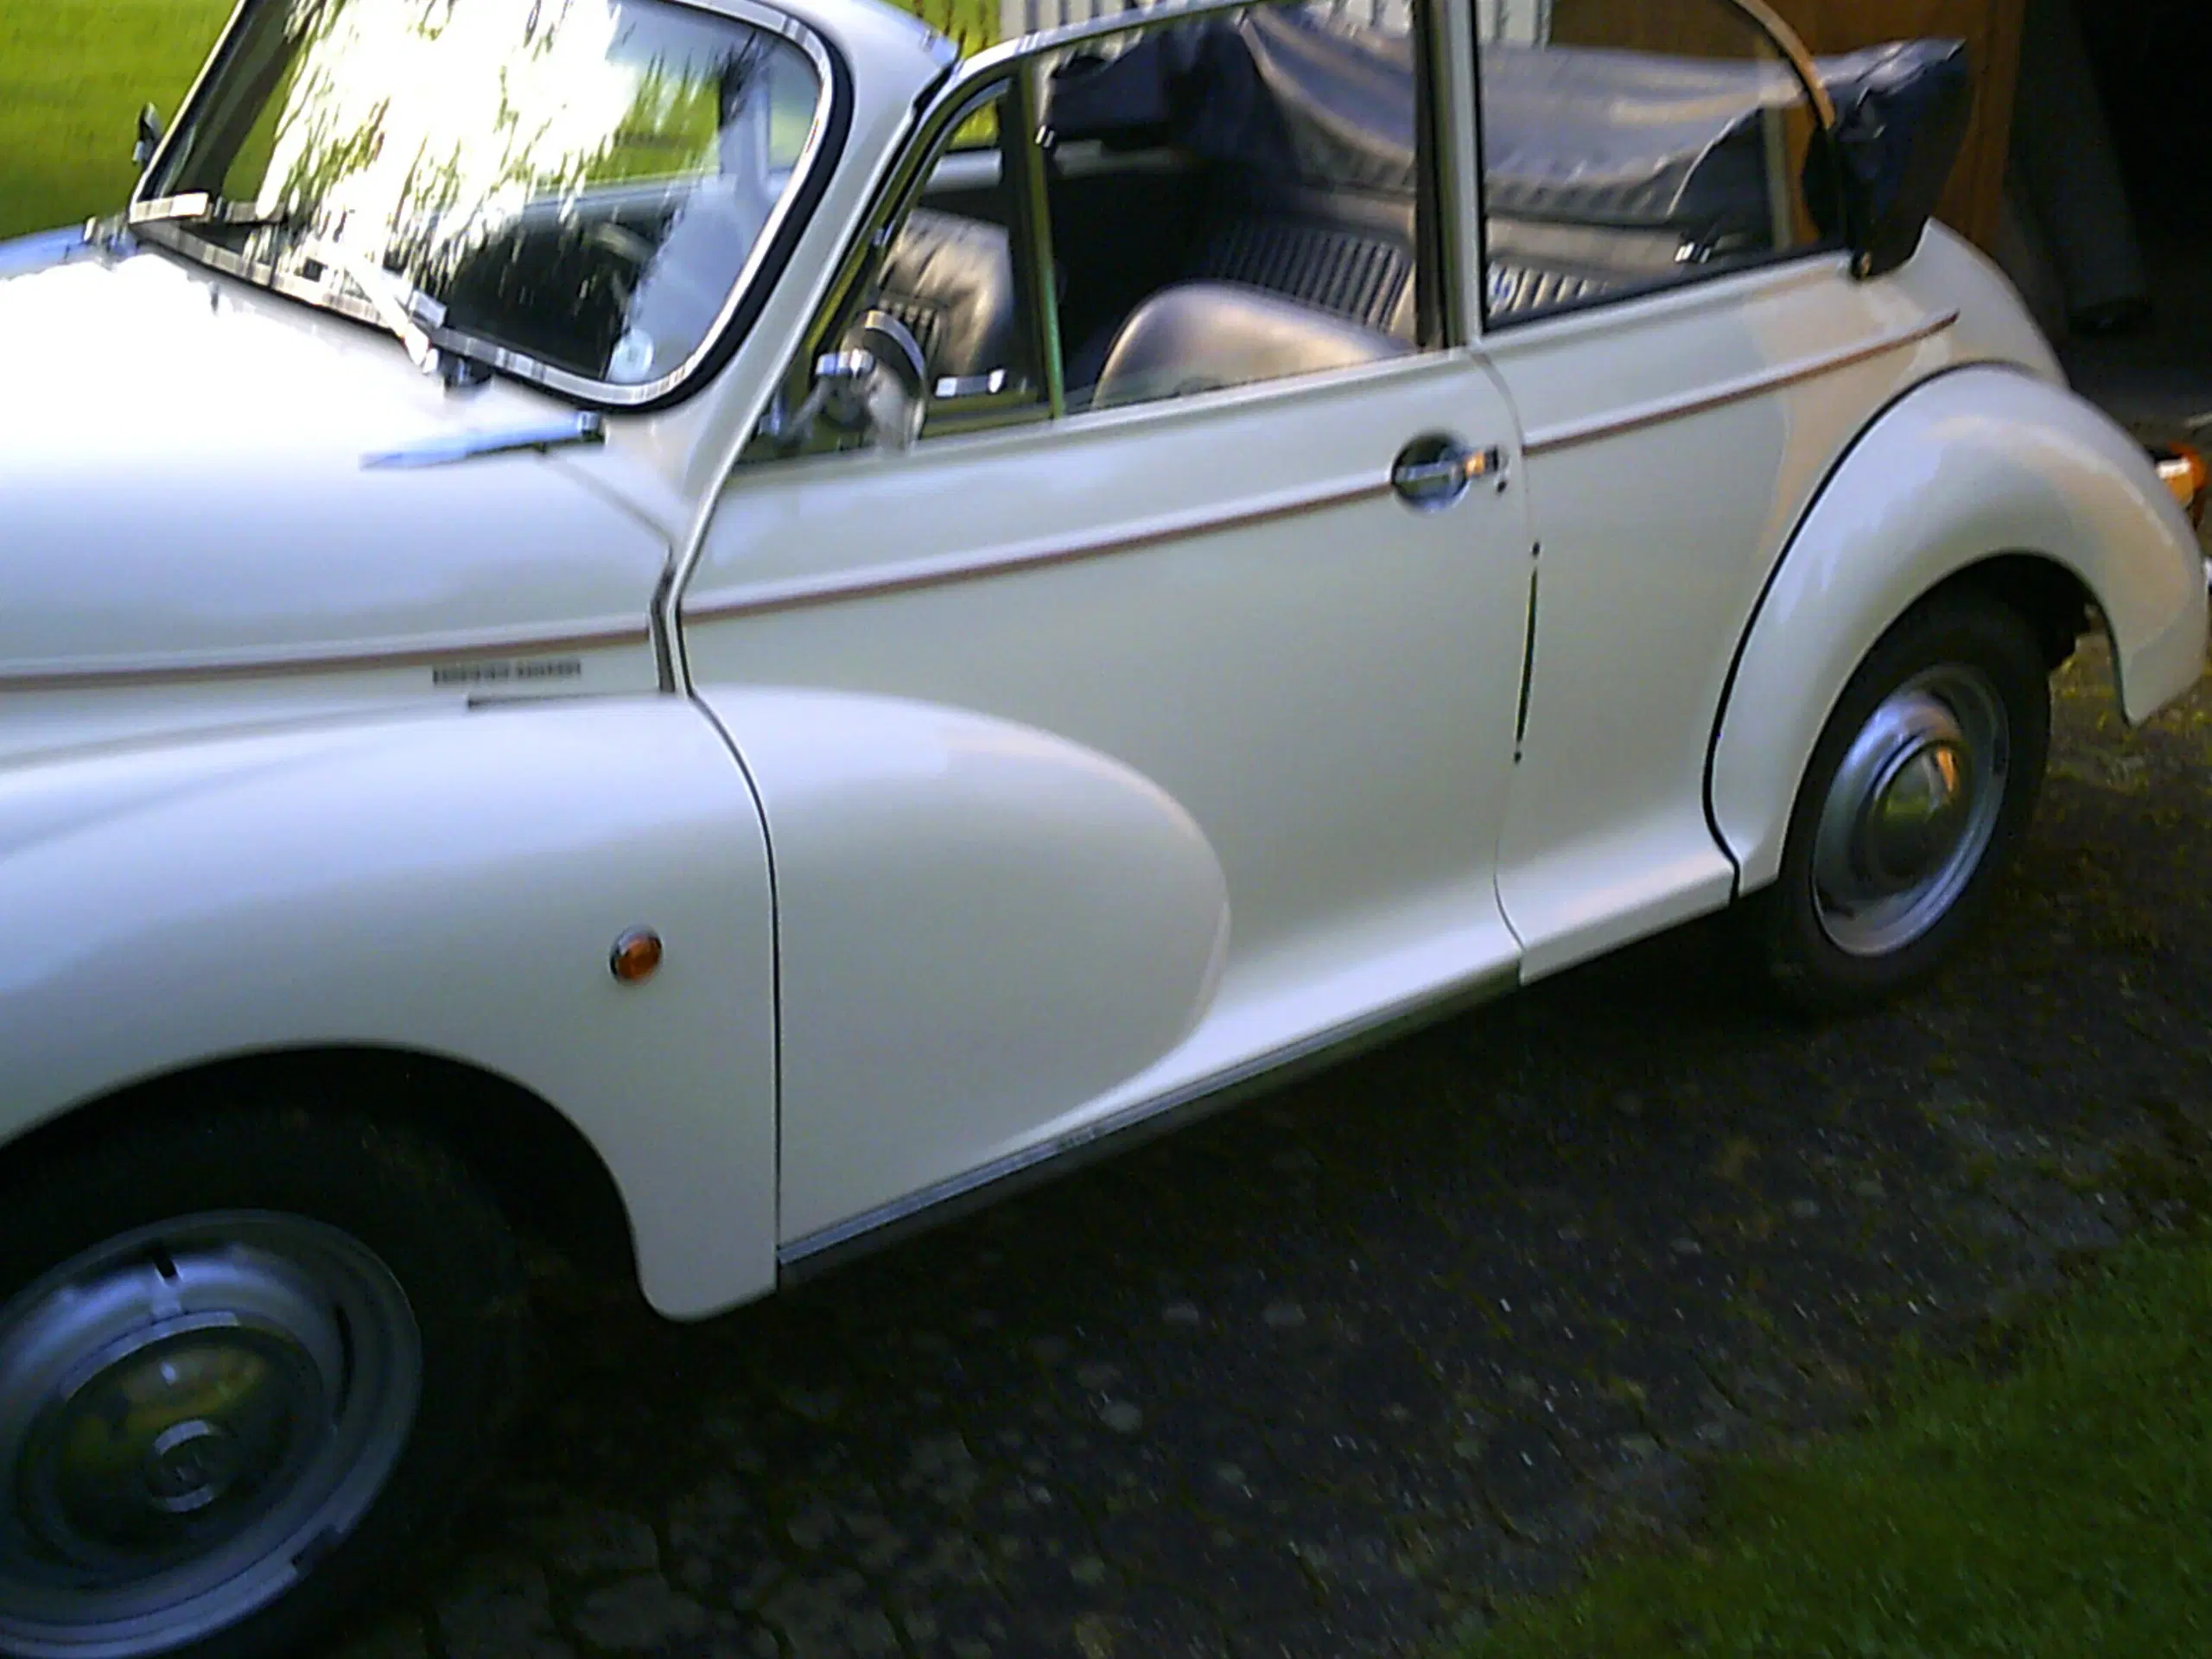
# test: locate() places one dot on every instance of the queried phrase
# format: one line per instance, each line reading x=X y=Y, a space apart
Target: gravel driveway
x=1323 y=1376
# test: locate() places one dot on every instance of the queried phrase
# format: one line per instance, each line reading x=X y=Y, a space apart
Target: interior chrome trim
x=466 y=648
x=947 y=1200
x=1571 y=434
x=762 y=598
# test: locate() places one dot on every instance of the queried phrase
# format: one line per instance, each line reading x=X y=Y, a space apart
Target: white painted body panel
x=1674 y=449
x=212 y=512
x=448 y=885
x=1221 y=596
x=976 y=917
x=1656 y=540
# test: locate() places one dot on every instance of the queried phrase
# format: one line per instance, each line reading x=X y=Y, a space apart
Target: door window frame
x=1446 y=105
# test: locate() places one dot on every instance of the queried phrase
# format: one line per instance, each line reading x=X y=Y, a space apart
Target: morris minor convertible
x=703 y=630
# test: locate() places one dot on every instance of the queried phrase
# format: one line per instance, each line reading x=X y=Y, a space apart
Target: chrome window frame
x=815 y=159
x=1011 y=61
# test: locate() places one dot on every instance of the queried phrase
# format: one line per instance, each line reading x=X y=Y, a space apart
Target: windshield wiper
x=400 y=306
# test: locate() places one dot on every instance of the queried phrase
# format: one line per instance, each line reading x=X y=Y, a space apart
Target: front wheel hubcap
x=1911 y=811
x=190 y=1415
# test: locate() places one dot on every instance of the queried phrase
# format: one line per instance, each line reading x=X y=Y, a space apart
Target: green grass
x=2064 y=1510
x=72 y=74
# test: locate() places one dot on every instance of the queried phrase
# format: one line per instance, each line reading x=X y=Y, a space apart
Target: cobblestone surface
x=1323 y=1377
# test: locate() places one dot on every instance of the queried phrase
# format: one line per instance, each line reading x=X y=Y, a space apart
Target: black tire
x=1964 y=636
x=213 y=1201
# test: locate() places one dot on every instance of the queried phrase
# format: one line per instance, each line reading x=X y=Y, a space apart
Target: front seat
x=950 y=279
x=1203 y=336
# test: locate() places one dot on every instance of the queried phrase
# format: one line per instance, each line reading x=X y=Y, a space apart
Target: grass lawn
x=73 y=73
x=2063 y=1510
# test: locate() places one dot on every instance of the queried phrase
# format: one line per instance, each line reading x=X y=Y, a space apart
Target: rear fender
x=449 y=885
x=1980 y=463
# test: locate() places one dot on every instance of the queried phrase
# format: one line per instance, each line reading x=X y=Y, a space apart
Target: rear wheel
x=1918 y=793
x=247 y=1360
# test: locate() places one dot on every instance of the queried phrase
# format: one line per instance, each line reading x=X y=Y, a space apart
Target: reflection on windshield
x=581 y=181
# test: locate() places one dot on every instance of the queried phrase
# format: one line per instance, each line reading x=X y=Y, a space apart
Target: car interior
x=1237 y=200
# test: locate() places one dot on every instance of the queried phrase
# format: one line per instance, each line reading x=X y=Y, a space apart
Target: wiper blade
x=402 y=307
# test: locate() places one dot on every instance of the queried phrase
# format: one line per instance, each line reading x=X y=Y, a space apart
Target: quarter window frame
x=1765 y=22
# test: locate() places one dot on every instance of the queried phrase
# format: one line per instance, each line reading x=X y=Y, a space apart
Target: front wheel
x=246 y=1358
x=1918 y=793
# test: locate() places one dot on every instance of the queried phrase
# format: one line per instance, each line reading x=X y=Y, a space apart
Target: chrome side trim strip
x=765 y=597
x=1568 y=435
x=827 y=1247
x=326 y=661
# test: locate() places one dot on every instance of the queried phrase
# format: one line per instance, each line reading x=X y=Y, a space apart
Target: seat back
x=1204 y=336
x=1342 y=268
x=949 y=279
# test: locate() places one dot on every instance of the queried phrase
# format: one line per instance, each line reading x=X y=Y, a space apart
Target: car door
x=1295 y=604
x=1689 y=353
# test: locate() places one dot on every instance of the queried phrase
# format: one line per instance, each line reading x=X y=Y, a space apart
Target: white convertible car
x=705 y=630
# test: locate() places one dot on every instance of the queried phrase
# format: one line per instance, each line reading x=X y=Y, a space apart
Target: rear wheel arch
x=2052 y=597
x=2044 y=592
x=1952 y=698
x=1979 y=476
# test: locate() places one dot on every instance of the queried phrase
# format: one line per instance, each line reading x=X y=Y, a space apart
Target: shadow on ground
x=1321 y=1377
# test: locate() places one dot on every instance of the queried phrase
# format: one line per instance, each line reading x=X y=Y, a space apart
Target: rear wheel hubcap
x=1911 y=811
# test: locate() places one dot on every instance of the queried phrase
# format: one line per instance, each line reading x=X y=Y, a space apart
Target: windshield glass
x=572 y=189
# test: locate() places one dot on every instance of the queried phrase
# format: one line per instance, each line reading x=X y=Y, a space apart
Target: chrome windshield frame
x=818 y=156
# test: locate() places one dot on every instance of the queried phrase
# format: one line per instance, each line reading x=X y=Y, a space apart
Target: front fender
x=447 y=884
x=1981 y=463
x=984 y=928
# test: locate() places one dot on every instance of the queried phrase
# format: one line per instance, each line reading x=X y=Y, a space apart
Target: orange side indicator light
x=636 y=956
x=2184 y=472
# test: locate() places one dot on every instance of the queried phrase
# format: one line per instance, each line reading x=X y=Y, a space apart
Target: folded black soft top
x=1586 y=135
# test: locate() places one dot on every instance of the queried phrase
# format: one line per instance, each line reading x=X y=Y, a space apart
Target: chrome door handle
x=1436 y=472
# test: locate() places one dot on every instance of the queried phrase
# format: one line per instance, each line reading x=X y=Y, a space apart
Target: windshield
x=575 y=190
